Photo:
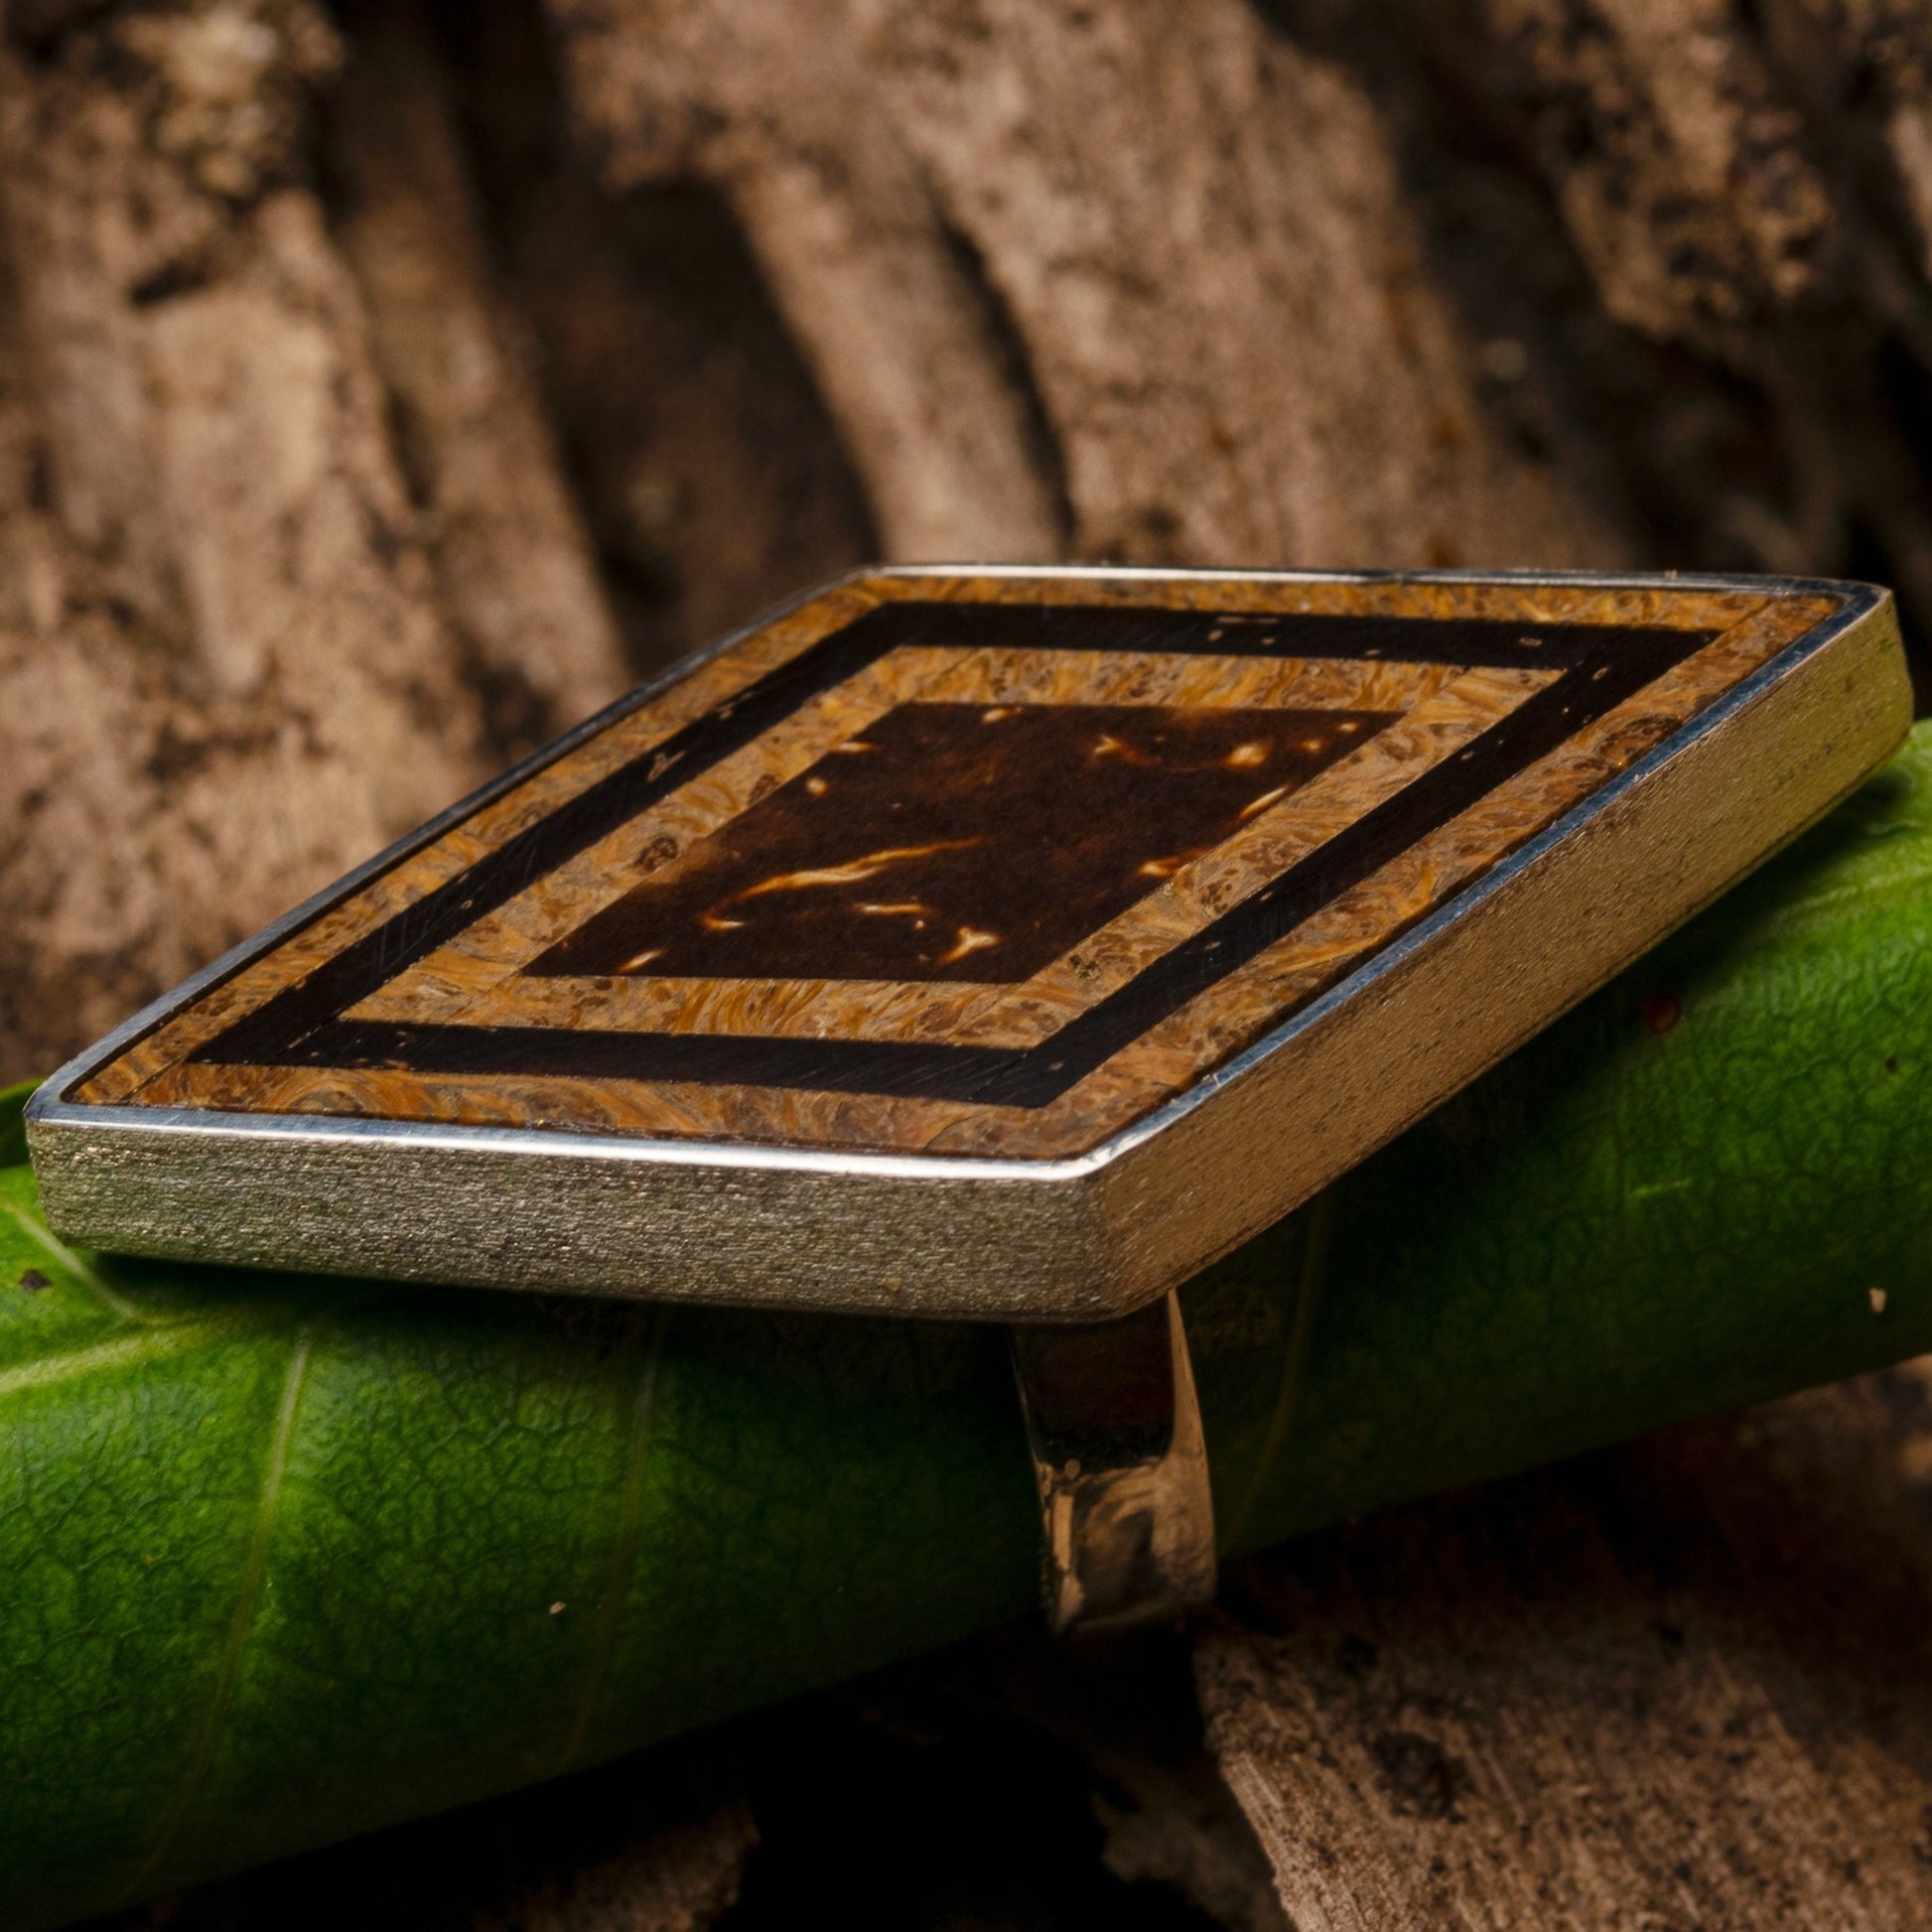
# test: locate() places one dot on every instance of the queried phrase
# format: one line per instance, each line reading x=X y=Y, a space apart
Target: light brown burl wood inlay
x=1301 y=770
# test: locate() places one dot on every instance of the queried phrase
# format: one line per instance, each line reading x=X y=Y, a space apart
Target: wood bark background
x=384 y=386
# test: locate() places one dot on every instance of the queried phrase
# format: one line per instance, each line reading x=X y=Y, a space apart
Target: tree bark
x=231 y=676
x=1114 y=282
x=1677 y=1683
x=514 y=564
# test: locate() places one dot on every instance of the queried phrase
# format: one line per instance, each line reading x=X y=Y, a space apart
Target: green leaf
x=283 y=1559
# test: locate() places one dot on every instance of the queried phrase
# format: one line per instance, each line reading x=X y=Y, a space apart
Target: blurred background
x=385 y=386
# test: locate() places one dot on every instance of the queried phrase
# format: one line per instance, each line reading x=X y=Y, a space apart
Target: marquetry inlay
x=952 y=864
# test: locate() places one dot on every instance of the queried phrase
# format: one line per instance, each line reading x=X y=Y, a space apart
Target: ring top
x=994 y=942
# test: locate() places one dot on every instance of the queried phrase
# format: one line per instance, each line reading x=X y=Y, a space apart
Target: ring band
x=1121 y=1461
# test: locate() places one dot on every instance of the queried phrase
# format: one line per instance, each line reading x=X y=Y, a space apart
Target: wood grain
x=419 y=870
x=1682 y=1684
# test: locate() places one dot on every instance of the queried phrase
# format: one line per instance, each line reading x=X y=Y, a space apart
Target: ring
x=993 y=945
x=1114 y=1427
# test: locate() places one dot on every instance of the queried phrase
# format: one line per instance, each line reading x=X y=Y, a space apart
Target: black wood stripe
x=880 y=1066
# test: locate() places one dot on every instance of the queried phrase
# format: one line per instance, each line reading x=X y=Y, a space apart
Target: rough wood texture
x=680 y=1878
x=513 y=559
x=1747 y=185
x=238 y=703
x=1681 y=1684
x=1010 y=238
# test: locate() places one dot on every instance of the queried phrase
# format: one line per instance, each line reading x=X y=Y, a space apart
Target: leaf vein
x=624 y=1546
x=254 y=1566
x=152 y=1343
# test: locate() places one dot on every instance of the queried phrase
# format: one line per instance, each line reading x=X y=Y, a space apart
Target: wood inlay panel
x=975 y=865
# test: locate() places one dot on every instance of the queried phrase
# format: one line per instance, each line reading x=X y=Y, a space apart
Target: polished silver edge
x=317 y=1130
x=1610 y=580
x=49 y=1109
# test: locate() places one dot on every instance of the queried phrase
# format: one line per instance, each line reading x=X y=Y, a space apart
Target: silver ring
x=1121 y=1463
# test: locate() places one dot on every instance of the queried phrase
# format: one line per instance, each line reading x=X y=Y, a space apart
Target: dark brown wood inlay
x=961 y=842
